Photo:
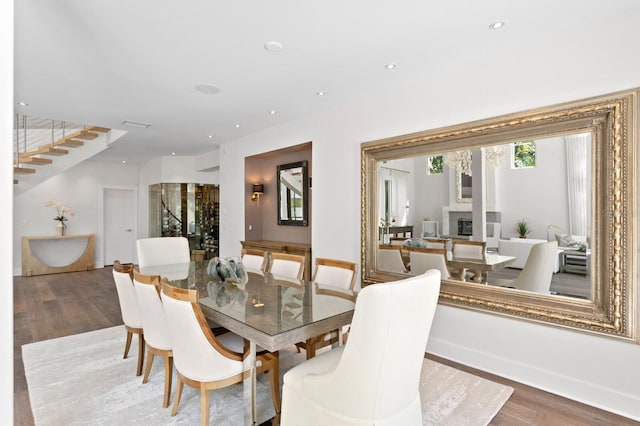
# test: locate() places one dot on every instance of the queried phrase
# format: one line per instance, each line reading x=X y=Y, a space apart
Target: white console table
x=56 y=254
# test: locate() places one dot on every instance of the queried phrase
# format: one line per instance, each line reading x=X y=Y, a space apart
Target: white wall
x=537 y=194
x=599 y=371
x=81 y=188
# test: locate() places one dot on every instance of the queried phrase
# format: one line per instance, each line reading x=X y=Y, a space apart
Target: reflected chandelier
x=461 y=160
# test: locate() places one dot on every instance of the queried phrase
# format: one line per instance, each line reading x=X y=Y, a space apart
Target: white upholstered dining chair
x=154 y=324
x=390 y=259
x=333 y=273
x=123 y=277
x=254 y=260
x=422 y=259
x=467 y=249
x=287 y=265
x=391 y=326
x=162 y=251
x=204 y=361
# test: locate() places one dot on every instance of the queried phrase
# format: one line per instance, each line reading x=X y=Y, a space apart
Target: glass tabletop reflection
x=268 y=303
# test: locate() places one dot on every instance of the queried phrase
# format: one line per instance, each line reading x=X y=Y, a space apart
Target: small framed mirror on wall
x=293 y=192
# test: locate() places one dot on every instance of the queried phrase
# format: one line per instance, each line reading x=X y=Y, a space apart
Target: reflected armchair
x=538 y=270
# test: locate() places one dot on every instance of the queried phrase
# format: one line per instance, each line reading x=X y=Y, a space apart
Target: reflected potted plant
x=522 y=228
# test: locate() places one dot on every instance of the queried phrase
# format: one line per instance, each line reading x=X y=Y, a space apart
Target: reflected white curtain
x=578 y=149
x=398 y=194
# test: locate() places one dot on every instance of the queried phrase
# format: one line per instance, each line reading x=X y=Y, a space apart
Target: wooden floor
x=50 y=306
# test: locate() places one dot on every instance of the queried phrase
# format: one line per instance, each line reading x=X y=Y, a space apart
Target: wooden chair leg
x=275 y=382
x=176 y=399
x=140 y=354
x=127 y=344
x=168 y=376
x=147 y=370
x=204 y=406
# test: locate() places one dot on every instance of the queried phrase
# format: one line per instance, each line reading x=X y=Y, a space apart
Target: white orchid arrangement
x=63 y=211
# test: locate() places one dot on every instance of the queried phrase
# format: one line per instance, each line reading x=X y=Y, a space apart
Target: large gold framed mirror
x=565 y=177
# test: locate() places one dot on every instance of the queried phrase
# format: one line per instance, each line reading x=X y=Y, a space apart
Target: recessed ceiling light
x=23 y=104
x=173 y=153
x=273 y=112
x=390 y=66
x=497 y=25
x=136 y=123
x=273 y=46
x=210 y=136
x=124 y=161
x=321 y=93
x=207 y=89
x=237 y=125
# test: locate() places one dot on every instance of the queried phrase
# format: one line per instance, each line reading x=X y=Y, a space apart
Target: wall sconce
x=257 y=189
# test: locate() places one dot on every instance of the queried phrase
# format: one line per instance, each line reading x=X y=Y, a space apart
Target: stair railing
x=37 y=132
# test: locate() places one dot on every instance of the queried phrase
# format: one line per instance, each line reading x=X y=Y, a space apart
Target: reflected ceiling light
x=390 y=66
x=23 y=104
x=134 y=123
x=497 y=25
x=320 y=93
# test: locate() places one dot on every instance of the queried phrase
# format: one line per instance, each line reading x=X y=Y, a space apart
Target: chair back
x=436 y=243
x=396 y=316
x=122 y=275
x=287 y=265
x=390 y=259
x=197 y=355
x=423 y=259
x=538 y=270
x=335 y=273
x=154 y=320
x=397 y=241
x=254 y=260
x=469 y=249
x=162 y=251
x=494 y=232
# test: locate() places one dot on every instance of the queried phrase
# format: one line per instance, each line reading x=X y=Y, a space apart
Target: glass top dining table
x=490 y=262
x=269 y=311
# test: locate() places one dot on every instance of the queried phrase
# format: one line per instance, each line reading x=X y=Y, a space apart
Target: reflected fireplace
x=465 y=227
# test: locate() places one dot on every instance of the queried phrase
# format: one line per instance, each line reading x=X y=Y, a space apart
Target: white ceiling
x=102 y=62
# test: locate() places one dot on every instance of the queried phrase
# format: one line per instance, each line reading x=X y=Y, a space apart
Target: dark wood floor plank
x=50 y=306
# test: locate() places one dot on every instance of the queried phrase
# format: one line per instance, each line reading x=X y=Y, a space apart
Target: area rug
x=82 y=379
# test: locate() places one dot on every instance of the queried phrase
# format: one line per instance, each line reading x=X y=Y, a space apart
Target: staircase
x=43 y=148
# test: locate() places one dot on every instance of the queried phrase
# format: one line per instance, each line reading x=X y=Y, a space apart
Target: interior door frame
x=101 y=235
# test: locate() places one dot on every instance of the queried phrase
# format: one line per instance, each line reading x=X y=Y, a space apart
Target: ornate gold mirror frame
x=613 y=123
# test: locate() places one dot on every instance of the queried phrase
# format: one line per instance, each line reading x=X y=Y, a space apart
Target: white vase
x=59 y=230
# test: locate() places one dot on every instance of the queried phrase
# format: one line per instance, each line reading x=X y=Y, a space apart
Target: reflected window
x=524 y=154
x=435 y=165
